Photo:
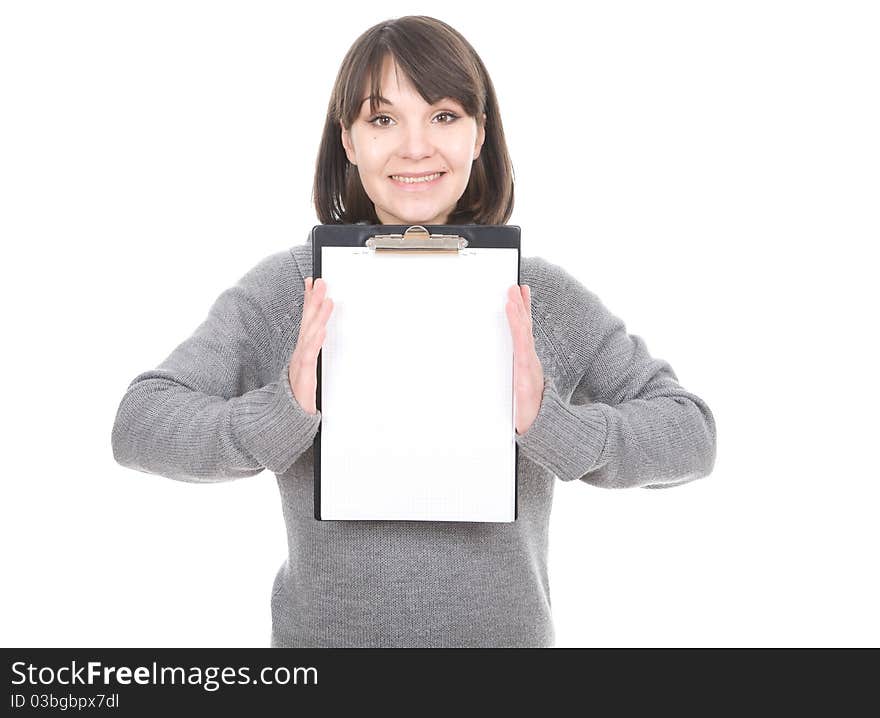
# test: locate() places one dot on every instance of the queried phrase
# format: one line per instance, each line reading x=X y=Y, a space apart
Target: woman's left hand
x=528 y=374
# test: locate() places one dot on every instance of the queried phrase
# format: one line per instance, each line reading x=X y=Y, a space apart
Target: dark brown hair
x=440 y=63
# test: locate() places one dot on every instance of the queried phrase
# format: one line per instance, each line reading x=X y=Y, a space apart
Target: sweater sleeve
x=216 y=409
x=628 y=422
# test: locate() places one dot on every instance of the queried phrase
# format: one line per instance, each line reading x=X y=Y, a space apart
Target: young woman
x=413 y=136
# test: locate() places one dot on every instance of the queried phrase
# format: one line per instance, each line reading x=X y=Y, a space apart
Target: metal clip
x=417 y=238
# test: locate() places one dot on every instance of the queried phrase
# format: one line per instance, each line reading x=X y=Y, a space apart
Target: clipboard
x=415 y=374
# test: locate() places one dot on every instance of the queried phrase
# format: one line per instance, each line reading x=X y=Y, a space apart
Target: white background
x=710 y=170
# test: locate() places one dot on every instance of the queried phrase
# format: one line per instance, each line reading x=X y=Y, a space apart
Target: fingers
x=522 y=334
x=527 y=302
x=313 y=344
x=316 y=311
x=516 y=325
x=521 y=297
x=313 y=297
x=317 y=330
x=519 y=315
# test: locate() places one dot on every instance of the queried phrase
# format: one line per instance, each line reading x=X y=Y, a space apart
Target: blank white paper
x=417 y=386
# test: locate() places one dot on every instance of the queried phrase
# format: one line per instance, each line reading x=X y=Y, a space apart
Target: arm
x=628 y=422
x=207 y=413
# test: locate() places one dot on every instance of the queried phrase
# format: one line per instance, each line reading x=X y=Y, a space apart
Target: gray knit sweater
x=220 y=407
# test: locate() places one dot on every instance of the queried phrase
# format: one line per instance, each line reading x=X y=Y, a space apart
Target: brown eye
x=372 y=120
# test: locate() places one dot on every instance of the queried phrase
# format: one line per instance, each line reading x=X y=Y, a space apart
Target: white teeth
x=413 y=180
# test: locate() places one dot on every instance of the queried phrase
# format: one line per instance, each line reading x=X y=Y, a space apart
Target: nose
x=416 y=143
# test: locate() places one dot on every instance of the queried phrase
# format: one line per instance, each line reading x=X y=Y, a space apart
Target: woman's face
x=407 y=137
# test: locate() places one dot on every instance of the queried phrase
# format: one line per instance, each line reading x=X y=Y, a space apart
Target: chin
x=422 y=218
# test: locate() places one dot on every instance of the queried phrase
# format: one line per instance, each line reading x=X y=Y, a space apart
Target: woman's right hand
x=303 y=370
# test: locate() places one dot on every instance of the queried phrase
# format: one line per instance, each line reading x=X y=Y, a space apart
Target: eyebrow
x=382 y=100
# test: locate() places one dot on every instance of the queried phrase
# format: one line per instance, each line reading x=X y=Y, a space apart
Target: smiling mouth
x=416 y=181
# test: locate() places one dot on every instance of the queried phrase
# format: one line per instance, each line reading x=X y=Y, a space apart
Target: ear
x=481 y=137
x=345 y=135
